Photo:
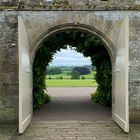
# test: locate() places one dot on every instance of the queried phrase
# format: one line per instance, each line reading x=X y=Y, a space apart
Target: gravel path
x=72 y=104
x=70 y=91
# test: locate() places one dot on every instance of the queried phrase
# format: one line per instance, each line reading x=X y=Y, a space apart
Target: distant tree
x=50 y=77
x=82 y=70
x=53 y=70
x=61 y=77
x=75 y=75
x=68 y=73
x=83 y=77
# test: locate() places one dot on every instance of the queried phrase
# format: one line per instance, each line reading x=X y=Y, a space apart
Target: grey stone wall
x=8 y=2
x=8 y=67
x=82 y=4
x=134 y=71
x=71 y=4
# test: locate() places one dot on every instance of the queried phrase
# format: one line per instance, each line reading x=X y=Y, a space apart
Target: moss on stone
x=2 y=7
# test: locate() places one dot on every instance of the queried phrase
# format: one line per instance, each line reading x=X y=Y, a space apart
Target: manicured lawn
x=66 y=76
x=71 y=83
x=57 y=76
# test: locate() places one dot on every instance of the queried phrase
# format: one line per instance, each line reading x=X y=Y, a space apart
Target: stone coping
x=104 y=6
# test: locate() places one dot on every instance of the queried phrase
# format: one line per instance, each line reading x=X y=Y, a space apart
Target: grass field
x=71 y=83
x=66 y=76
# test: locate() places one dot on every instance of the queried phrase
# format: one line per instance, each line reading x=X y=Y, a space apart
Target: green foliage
x=39 y=77
x=40 y=98
x=101 y=98
x=50 y=77
x=68 y=73
x=83 y=77
x=75 y=74
x=42 y=59
x=47 y=98
x=94 y=48
x=103 y=77
x=59 y=77
x=82 y=70
x=87 y=44
x=53 y=70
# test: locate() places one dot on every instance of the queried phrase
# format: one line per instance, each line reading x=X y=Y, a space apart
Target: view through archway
x=71 y=92
x=54 y=48
x=90 y=46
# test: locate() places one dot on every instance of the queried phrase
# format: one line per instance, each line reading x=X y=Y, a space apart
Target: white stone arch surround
x=39 y=25
x=79 y=27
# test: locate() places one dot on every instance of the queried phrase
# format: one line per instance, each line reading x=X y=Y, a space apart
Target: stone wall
x=9 y=51
x=82 y=4
x=8 y=2
x=71 y=4
x=8 y=67
x=134 y=72
x=107 y=22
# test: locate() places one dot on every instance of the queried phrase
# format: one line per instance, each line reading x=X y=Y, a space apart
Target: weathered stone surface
x=8 y=115
x=8 y=67
x=80 y=5
x=134 y=72
x=8 y=2
x=75 y=130
x=70 y=5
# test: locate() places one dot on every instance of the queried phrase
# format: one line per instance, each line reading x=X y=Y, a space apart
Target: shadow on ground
x=73 y=116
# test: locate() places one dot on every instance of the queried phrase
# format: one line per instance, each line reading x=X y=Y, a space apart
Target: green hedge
x=89 y=46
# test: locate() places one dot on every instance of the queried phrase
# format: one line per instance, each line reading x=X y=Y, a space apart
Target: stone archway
x=116 y=47
x=84 y=28
x=81 y=27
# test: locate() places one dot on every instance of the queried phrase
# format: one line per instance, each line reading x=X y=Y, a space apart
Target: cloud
x=69 y=57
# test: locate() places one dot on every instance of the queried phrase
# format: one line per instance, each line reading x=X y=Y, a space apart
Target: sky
x=68 y=57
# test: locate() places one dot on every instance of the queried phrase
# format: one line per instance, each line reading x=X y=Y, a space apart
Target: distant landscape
x=71 y=76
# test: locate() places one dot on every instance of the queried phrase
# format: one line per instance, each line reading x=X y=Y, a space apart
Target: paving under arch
x=72 y=115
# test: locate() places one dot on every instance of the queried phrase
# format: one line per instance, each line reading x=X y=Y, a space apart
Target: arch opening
x=93 y=47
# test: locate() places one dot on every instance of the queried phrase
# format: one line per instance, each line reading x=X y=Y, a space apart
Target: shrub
x=83 y=77
x=101 y=98
x=75 y=75
x=61 y=77
x=40 y=98
x=50 y=77
x=47 y=98
x=68 y=73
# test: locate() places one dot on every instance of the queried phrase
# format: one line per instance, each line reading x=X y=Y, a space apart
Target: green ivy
x=103 y=78
x=89 y=46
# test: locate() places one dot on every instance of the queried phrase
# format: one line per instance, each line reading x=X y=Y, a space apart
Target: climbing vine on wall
x=82 y=42
x=94 y=48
